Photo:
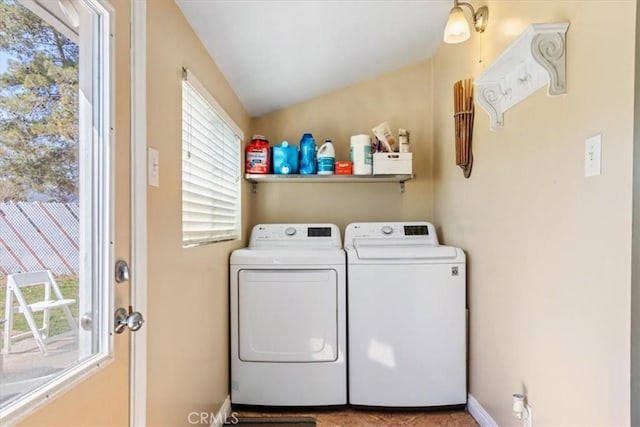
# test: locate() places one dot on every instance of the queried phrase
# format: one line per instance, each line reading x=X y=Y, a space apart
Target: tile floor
x=349 y=417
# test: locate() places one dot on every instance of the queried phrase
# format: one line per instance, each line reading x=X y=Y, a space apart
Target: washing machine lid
x=415 y=240
x=367 y=250
x=295 y=236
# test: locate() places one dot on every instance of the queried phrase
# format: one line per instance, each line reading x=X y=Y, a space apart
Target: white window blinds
x=211 y=145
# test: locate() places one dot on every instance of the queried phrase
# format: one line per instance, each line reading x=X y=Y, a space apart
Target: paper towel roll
x=361 y=154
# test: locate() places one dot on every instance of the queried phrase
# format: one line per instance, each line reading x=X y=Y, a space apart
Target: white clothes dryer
x=288 y=317
x=407 y=316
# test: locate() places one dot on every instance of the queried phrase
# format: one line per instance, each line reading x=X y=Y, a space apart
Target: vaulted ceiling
x=277 y=53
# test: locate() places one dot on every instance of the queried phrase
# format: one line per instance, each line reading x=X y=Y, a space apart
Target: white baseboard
x=479 y=414
x=223 y=413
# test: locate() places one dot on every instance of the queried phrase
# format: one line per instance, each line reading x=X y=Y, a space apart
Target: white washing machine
x=407 y=316
x=288 y=317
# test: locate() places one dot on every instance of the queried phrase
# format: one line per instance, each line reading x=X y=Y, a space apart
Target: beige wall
x=404 y=99
x=549 y=250
x=188 y=288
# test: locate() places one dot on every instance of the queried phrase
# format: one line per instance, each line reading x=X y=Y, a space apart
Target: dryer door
x=288 y=315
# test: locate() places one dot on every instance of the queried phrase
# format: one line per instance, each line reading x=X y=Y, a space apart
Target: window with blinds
x=211 y=150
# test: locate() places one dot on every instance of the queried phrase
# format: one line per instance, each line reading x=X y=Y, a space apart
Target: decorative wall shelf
x=328 y=179
x=536 y=58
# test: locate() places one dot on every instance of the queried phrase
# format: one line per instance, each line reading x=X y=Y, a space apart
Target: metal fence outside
x=39 y=236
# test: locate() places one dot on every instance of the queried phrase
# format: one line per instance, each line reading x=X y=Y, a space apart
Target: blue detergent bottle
x=307 y=155
x=284 y=159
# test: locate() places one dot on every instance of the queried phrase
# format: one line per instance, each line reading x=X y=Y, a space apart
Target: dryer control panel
x=282 y=235
x=423 y=233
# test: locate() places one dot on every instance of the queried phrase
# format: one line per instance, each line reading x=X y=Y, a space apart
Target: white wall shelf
x=326 y=179
x=535 y=59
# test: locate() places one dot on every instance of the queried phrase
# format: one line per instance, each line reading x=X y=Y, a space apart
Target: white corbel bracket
x=535 y=59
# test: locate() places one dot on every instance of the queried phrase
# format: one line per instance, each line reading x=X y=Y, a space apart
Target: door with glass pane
x=64 y=190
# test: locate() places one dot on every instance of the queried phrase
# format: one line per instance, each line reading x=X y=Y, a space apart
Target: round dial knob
x=290 y=231
x=387 y=229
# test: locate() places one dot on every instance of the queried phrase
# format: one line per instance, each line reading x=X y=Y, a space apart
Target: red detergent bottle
x=258 y=155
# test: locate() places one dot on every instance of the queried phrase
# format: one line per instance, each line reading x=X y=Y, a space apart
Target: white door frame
x=138 y=376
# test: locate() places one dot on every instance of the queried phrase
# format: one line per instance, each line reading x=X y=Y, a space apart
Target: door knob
x=86 y=321
x=131 y=319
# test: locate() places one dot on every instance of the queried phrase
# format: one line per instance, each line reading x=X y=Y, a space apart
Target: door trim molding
x=138 y=378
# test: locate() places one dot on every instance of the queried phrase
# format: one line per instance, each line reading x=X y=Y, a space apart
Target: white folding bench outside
x=52 y=299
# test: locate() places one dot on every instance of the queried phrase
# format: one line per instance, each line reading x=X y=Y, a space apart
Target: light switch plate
x=592 y=155
x=153 y=167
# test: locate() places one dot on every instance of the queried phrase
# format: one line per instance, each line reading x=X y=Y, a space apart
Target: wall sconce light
x=457 y=29
x=70 y=12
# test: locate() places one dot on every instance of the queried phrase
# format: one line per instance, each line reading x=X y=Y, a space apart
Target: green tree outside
x=38 y=109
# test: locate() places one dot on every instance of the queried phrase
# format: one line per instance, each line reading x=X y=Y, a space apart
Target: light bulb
x=70 y=12
x=457 y=28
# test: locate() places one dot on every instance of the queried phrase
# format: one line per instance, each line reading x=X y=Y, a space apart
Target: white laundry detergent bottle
x=326 y=159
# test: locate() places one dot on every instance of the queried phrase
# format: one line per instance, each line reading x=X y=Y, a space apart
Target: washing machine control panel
x=399 y=231
x=278 y=235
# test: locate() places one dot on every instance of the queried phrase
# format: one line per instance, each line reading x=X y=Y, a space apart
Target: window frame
x=200 y=90
x=96 y=127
